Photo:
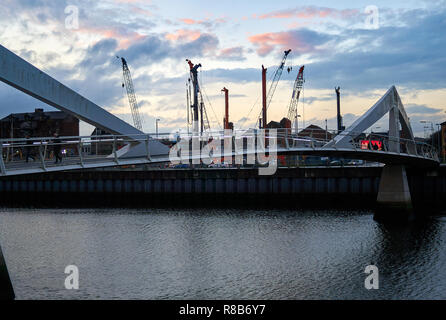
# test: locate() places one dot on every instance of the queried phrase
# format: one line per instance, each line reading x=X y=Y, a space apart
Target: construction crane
x=277 y=76
x=128 y=84
x=297 y=89
x=196 y=90
x=267 y=97
x=195 y=100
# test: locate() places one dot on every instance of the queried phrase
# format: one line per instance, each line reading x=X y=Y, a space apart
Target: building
x=39 y=124
x=100 y=148
x=105 y=145
x=316 y=132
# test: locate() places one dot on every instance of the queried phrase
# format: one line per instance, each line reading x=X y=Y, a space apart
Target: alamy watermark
x=372 y=17
x=72 y=280
x=72 y=18
x=372 y=279
x=257 y=147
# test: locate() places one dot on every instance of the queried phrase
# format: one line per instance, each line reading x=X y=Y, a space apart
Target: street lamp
x=157 y=120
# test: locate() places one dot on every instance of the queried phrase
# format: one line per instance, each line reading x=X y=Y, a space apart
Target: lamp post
x=326 y=130
x=157 y=120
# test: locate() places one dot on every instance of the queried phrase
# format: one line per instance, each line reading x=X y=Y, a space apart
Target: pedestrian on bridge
x=56 y=148
x=28 y=151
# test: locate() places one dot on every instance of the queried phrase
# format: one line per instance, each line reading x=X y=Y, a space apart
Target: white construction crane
x=128 y=83
x=292 y=109
x=276 y=78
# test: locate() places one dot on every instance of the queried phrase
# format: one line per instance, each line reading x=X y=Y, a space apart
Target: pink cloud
x=267 y=42
x=124 y=38
x=207 y=22
x=184 y=35
x=310 y=13
x=189 y=21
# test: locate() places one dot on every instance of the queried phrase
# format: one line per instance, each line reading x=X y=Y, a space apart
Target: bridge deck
x=20 y=167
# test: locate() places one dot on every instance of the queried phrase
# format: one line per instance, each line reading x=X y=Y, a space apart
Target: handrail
x=82 y=147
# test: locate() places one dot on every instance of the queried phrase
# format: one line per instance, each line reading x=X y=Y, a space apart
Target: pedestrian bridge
x=36 y=155
x=127 y=145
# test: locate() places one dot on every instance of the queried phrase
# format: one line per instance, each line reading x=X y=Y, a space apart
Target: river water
x=220 y=254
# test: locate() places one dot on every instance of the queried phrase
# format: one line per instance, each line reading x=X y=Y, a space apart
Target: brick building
x=38 y=124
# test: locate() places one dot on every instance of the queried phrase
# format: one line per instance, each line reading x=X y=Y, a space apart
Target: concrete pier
x=6 y=289
x=394 y=202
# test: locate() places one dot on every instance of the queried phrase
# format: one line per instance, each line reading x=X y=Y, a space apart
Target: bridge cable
x=207 y=98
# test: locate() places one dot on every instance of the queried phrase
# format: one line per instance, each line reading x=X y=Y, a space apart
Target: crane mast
x=297 y=89
x=128 y=83
x=277 y=76
x=196 y=91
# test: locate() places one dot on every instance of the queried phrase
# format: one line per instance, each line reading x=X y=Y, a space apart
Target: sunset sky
x=338 y=42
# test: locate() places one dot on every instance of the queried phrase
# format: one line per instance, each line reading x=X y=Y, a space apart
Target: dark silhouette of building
x=103 y=147
x=315 y=132
x=38 y=124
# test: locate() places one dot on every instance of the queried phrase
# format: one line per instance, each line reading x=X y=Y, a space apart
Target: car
x=355 y=162
x=219 y=165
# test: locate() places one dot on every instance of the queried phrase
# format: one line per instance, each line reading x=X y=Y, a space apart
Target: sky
x=364 y=47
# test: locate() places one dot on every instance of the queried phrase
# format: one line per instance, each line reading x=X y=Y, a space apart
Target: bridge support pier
x=6 y=289
x=394 y=203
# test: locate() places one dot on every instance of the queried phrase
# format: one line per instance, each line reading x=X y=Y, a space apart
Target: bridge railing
x=359 y=140
x=47 y=152
x=42 y=153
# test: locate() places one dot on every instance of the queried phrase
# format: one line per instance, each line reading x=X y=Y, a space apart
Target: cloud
x=423 y=109
x=310 y=12
x=123 y=36
x=207 y=23
x=155 y=48
x=234 y=54
x=236 y=75
x=311 y=100
x=300 y=41
x=407 y=51
x=184 y=35
x=410 y=56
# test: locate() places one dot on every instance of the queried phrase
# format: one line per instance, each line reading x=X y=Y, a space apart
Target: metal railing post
x=2 y=163
x=147 y=148
x=114 y=150
x=287 y=143
x=79 y=149
x=42 y=155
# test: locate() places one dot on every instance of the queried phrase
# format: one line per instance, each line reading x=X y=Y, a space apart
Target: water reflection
x=221 y=254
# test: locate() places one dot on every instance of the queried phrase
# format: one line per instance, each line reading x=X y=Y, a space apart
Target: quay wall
x=349 y=187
